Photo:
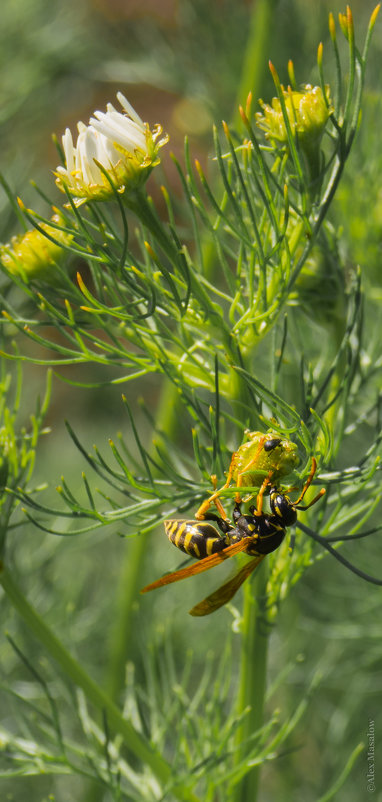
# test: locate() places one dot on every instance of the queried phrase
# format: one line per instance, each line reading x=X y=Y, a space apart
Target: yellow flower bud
x=33 y=256
x=307 y=113
x=118 y=143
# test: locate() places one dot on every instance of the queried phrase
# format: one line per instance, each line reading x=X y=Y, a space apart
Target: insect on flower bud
x=118 y=144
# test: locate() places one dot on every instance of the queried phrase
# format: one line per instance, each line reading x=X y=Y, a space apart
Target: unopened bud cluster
x=307 y=113
x=33 y=255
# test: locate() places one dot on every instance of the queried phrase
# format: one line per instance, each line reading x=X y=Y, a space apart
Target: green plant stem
x=122 y=631
x=253 y=72
x=252 y=77
x=140 y=205
x=344 y=774
x=256 y=55
x=253 y=673
x=130 y=582
x=134 y=741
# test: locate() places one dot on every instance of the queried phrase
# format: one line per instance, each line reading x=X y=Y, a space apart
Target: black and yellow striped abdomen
x=199 y=539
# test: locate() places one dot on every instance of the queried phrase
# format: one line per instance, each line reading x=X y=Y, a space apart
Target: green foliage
x=17 y=449
x=237 y=298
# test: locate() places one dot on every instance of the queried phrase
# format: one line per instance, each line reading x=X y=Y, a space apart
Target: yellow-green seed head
x=34 y=256
x=307 y=112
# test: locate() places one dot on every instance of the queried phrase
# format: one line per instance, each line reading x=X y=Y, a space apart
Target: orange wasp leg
x=306 y=485
x=260 y=495
x=214 y=499
x=217 y=501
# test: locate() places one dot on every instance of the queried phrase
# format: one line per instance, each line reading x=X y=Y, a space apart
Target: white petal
x=128 y=107
x=124 y=134
x=67 y=144
x=137 y=125
x=127 y=130
x=123 y=122
x=110 y=156
x=86 y=152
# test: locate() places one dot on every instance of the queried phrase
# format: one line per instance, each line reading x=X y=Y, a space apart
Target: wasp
x=263 y=459
x=257 y=534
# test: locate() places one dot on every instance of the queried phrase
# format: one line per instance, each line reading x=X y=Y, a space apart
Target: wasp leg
x=214 y=499
x=200 y=515
x=316 y=498
x=304 y=489
x=308 y=481
x=224 y=525
x=260 y=495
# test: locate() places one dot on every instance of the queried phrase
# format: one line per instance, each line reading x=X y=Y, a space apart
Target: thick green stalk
x=253 y=72
x=256 y=57
x=121 y=636
x=122 y=629
x=253 y=676
x=122 y=632
x=134 y=741
x=130 y=582
x=124 y=620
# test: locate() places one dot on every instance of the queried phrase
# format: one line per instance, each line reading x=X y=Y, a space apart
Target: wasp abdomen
x=197 y=538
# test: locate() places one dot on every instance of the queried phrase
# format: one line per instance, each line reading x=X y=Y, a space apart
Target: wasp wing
x=202 y=565
x=226 y=592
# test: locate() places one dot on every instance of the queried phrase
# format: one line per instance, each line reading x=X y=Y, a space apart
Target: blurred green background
x=180 y=64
